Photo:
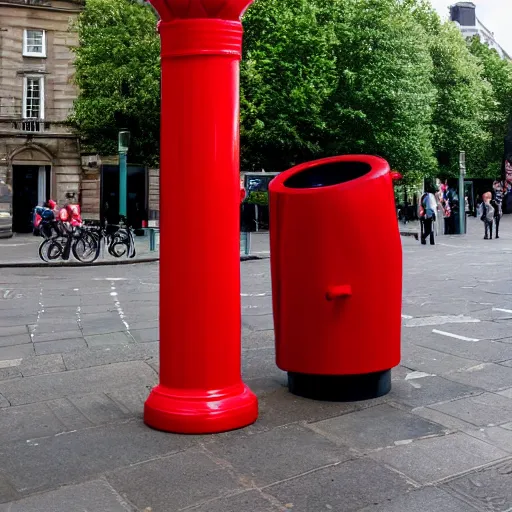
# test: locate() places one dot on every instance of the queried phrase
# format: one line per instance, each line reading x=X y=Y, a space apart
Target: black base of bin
x=340 y=388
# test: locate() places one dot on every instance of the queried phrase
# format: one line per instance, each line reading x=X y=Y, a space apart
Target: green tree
x=383 y=99
x=461 y=104
x=287 y=74
x=498 y=73
x=118 y=75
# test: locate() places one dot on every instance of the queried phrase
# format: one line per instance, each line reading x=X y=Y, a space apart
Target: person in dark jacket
x=497 y=216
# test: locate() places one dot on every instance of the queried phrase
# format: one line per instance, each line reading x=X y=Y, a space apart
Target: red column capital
x=230 y=10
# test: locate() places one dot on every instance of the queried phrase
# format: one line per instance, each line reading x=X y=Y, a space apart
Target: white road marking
x=440 y=320
x=456 y=336
x=120 y=311
x=40 y=311
x=407 y=317
x=502 y=310
x=418 y=375
x=254 y=294
x=9 y=363
x=110 y=279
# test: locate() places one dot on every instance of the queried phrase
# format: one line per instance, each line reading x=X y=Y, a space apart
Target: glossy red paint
x=200 y=389
x=336 y=271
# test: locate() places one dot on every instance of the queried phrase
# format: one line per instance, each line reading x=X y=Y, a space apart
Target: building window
x=33 y=97
x=34 y=43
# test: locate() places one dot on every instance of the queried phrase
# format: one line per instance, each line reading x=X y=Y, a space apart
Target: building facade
x=464 y=15
x=39 y=153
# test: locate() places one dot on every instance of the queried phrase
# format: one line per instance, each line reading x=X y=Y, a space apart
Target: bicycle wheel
x=131 y=248
x=43 y=249
x=55 y=250
x=86 y=248
x=50 y=250
x=117 y=247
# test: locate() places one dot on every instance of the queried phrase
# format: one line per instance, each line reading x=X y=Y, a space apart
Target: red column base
x=200 y=411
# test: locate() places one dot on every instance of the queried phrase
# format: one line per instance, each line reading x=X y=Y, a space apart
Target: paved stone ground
x=78 y=355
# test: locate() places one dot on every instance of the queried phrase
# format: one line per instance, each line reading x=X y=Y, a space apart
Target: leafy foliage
x=118 y=75
x=318 y=78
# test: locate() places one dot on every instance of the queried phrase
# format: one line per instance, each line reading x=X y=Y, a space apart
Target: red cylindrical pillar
x=200 y=388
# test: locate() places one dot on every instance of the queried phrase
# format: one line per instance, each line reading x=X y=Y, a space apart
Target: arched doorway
x=31 y=177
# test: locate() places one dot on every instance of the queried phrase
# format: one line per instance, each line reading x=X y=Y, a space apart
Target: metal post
x=122 y=183
x=462 y=195
x=124 y=142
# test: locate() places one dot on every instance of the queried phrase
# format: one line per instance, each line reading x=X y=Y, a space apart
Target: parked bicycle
x=84 y=242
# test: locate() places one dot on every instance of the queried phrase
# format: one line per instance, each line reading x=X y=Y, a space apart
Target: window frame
x=42 y=98
x=26 y=53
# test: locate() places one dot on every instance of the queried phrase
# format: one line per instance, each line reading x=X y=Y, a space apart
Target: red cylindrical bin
x=336 y=261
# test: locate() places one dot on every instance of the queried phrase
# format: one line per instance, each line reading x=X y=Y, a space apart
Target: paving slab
x=166 y=484
x=41 y=364
x=260 y=363
x=345 y=487
x=28 y=421
x=68 y=414
x=430 y=460
x=483 y=330
x=433 y=361
x=96 y=380
x=7 y=491
x=100 y=356
x=487 y=409
x=10 y=372
x=130 y=400
x=16 y=352
x=484 y=351
x=272 y=456
x=114 y=338
x=59 y=346
x=13 y=330
x=258 y=322
x=15 y=339
x=500 y=437
x=93 y=327
x=282 y=408
x=146 y=335
x=488 y=376
x=377 y=427
x=99 y=408
x=429 y=499
x=54 y=336
x=259 y=339
x=489 y=489
x=50 y=462
x=94 y=496
x=249 y=501
x=417 y=392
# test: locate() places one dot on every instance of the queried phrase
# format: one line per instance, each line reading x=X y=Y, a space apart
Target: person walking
x=428 y=209
x=497 y=216
x=487 y=215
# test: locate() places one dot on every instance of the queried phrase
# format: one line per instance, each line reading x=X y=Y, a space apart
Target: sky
x=494 y=14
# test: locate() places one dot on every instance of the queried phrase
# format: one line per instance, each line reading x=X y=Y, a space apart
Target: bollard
x=200 y=389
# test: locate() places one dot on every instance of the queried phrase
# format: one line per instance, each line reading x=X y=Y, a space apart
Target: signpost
x=123 y=145
x=462 y=193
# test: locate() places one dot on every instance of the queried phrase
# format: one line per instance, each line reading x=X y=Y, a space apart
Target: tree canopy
x=318 y=78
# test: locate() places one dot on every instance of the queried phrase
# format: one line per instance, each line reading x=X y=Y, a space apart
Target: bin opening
x=328 y=174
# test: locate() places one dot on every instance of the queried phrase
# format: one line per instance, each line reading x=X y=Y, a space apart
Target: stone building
x=465 y=16
x=39 y=154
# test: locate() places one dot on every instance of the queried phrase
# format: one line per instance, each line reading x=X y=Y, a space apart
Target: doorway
x=30 y=187
x=137 y=195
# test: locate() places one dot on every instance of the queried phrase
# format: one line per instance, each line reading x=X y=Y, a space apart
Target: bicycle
x=118 y=240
